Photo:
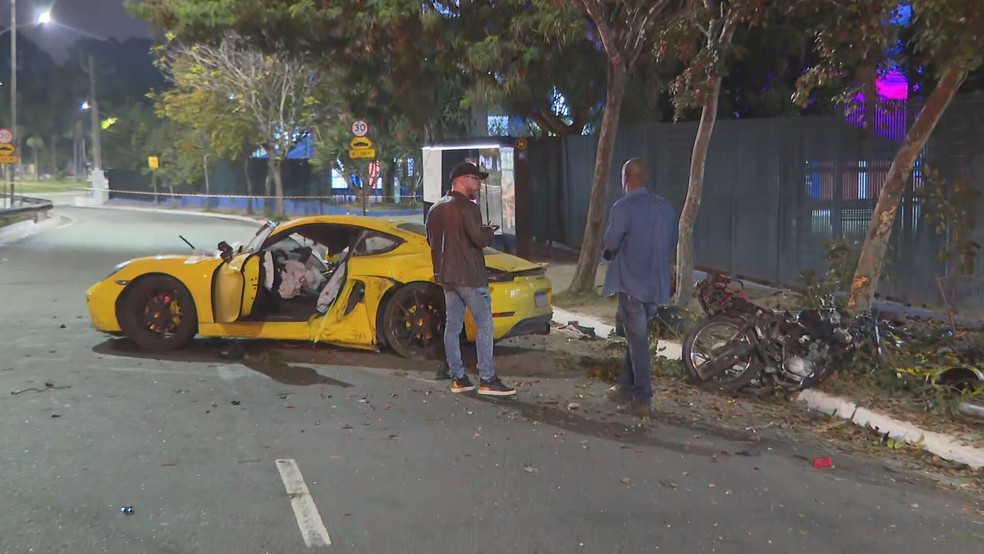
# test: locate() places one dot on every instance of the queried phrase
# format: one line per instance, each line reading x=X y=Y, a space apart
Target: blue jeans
x=636 y=378
x=479 y=302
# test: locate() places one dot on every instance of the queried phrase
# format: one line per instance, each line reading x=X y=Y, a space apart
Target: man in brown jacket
x=456 y=237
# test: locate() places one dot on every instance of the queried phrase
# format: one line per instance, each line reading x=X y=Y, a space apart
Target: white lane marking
x=308 y=519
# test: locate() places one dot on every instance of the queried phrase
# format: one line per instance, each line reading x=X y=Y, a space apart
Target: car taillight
x=498 y=276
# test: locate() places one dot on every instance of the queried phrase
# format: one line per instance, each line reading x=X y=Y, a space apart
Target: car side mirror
x=225 y=251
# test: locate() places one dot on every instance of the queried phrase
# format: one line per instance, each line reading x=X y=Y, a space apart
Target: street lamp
x=43 y=18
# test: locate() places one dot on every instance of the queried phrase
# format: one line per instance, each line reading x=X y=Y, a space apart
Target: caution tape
x=411 y=199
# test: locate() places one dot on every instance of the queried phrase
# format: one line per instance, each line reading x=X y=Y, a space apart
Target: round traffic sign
x=6 y=136
x=360 y=128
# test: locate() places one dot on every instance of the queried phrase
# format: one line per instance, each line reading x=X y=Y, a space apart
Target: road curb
x=176 y=212
x=943 y=445
x=23 y=229
x=667 y=348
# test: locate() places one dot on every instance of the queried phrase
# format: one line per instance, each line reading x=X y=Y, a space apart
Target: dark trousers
x=636 y=378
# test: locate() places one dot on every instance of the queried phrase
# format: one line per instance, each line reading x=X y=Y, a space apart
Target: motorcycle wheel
x=707 y=341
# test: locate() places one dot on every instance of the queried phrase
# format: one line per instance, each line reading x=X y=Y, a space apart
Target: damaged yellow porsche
x=358 y=282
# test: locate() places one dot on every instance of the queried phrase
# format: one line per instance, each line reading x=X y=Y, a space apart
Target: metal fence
x=775 y=190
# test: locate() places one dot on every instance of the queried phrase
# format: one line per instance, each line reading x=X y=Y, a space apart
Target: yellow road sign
x=153 y=162
x=360 y=143
x=362 y=153
x=7 y=149
x=6 y=159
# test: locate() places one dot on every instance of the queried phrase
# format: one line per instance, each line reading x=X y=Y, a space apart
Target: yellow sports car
x=359 y=282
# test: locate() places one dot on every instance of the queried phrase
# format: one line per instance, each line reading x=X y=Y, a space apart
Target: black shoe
x=494 y=387
x=463 y=384
x=636 y=408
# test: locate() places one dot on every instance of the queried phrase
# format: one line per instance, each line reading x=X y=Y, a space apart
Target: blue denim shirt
x=641 y=235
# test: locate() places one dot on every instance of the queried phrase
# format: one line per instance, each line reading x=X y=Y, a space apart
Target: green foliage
x=951 y=209
x=851 y=40
x=841 y=257
x=125 y=144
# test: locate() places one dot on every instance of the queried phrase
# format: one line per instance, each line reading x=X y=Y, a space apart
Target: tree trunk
x=278 y=182
x=587 y=262
x=883 y=219
x=249 y=187
x=695 y=190
x=268 y=187
x=37 y=172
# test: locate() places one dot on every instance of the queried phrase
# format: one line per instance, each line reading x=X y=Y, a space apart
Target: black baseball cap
x=467 y=168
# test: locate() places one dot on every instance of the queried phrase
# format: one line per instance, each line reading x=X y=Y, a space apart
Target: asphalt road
x=392 y=461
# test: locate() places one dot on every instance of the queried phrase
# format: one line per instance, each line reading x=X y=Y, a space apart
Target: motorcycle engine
x=804 y=357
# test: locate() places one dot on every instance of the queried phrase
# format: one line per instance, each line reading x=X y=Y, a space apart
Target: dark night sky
x=99 y=18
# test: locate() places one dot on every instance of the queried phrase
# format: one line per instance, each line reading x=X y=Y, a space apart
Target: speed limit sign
x=6 y=136
x=360 y=128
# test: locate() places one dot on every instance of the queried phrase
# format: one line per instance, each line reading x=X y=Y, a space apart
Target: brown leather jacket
x=456 y=237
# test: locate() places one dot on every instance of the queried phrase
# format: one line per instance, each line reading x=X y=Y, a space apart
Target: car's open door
x=234 y=287
x=343 y=316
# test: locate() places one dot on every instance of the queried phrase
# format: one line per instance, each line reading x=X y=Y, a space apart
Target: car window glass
x=290 y=248
x=376 y=243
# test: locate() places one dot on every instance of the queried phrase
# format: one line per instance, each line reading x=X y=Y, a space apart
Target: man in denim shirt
x=639 y=242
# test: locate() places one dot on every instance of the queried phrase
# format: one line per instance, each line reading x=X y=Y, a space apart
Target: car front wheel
x=158 y=314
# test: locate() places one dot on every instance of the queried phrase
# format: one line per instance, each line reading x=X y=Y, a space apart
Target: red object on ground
x=823 y=462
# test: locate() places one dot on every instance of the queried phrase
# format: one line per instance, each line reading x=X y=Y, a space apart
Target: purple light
x=892 y=85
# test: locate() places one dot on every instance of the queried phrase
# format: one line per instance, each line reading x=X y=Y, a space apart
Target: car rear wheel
x=158 y=314
x=413 y=322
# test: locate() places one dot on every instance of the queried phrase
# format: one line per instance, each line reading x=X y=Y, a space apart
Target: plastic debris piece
x=235 y=402
x=824 y=461
x=126 y=510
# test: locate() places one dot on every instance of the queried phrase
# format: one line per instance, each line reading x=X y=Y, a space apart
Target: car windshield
x=260 y=237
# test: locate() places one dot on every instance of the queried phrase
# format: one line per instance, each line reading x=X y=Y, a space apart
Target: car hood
x=507 y=262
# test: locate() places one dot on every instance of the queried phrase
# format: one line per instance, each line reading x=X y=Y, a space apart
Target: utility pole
x=94 y=106
x=13 y=91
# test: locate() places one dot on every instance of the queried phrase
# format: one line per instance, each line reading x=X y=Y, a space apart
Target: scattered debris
x=573 y=406
x=530 y=468
x=577 y=331
x=624 y=480
x=47 y=386
x=824 y=461
x=62 y=326
x=53 y=416
x=126 y=510
x=169 y=464
x=346 y=427
x=235 y=402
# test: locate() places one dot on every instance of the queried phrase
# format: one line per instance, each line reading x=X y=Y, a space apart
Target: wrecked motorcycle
x=740 y=342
